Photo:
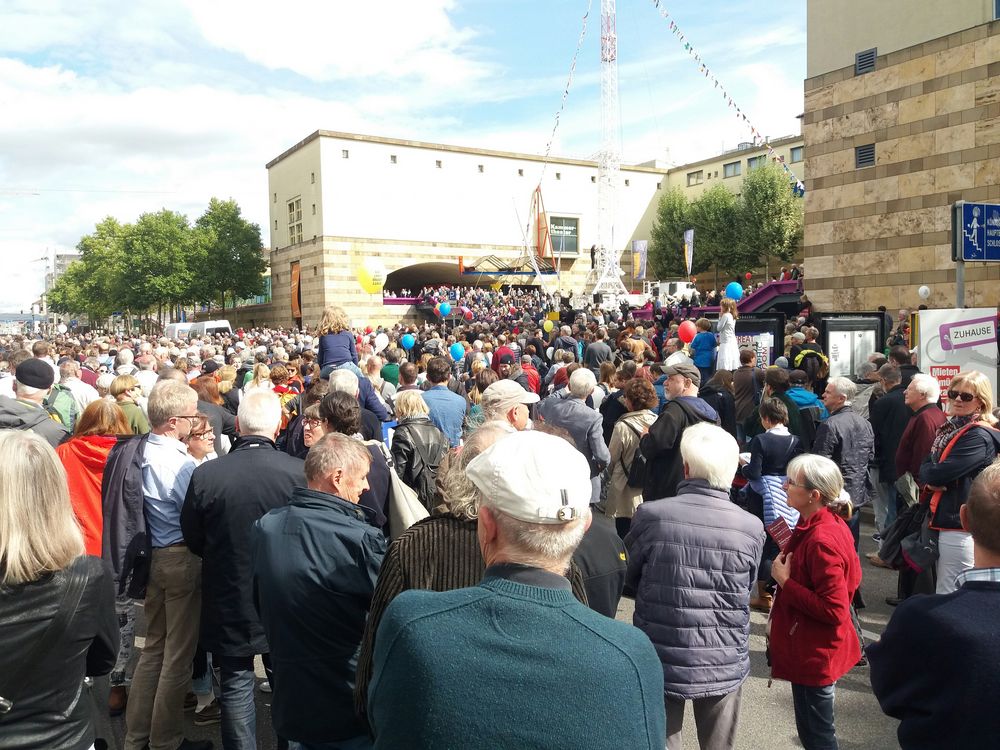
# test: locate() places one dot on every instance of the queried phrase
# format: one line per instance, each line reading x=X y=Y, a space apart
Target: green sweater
x=504 y=664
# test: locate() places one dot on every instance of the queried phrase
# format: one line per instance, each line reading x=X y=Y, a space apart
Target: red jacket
x=813 y=641
x=915 y=444
x=84 y=459
x=534 y=379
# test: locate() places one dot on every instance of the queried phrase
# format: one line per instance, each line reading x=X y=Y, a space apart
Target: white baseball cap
x=533 y=477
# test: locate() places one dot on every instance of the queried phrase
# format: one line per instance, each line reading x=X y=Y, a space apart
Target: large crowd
x=424 y=531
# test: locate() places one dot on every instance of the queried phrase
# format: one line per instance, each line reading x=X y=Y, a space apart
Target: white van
x=210 y=328
x=177 y=331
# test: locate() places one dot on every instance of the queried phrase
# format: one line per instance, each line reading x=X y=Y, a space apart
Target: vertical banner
x=296 y=292
x=689 y=250
x=639 y=248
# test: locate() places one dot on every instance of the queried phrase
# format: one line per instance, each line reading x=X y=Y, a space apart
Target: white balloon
x=924 y=292
x=381 y=342
x=62 y=328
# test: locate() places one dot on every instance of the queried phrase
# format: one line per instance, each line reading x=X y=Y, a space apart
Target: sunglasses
x=961 y=396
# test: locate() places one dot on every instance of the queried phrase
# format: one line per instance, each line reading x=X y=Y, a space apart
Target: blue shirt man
x=447 y=409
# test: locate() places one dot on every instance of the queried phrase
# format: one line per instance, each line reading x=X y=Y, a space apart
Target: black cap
x=35 y=373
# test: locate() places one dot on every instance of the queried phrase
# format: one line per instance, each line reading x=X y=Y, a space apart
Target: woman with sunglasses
x=964 y=445
x=813 y=642
x=127 y=391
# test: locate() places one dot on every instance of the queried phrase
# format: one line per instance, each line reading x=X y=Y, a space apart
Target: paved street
x=767 y=719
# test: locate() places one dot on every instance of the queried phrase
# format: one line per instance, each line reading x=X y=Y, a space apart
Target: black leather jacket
x=50 y=709
x=417 y=437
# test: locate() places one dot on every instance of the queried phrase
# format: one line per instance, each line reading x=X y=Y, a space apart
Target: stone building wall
x=874 y=235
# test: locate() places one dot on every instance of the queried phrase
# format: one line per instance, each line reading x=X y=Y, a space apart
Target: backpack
x=820 y=371
x=61 y=402
x=809 y=419
x=635 y=474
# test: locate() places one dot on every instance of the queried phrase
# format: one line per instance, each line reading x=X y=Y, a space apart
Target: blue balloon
x=445 y=308
x=734 y=290
x=407 y=341
x=457 y=351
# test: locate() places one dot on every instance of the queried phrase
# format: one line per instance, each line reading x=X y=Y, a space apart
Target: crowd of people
x=248 y=490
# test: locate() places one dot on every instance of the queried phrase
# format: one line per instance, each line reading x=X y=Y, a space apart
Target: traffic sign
x=976 y=231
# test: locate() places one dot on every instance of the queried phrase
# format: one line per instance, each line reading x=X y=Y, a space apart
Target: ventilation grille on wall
x=864 y=156
x=864 y=62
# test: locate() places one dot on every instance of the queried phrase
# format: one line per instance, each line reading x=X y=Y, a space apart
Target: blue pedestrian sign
x=976 y=228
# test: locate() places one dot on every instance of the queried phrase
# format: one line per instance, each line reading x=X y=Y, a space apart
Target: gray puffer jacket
x=21 y=415
x=692 y=560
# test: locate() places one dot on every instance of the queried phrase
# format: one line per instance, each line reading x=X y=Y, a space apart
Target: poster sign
x=977 y=236
x=957 y=340
x=762 y=342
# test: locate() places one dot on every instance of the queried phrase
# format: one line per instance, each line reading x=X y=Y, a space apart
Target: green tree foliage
x=97 y=283
x=771 y=218
x=666 y=239
x=235 y=258
x=714 y=217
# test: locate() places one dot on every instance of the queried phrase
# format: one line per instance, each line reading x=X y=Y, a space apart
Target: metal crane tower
x=605 y=276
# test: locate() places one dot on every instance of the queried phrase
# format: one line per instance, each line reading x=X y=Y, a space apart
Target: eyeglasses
x=791 y=483
x=202 y=436
x=190 y=417
x=961 y=396
x=311 y=422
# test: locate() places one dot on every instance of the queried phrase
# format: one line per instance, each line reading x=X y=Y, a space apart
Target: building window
x=659 y=185
x=733 y=169
x=294 y=221
x=996 y=9
x=481 y=169
x=558 y=175
x=564 y=232
x=345 y=154
x=275 y=225
x=864 y=62
x=796 y=154
x=392 y=158
x=314 y=209
x=520 y=173
x=312 y=178
x=275 y=197
x=864 y=156
x=627 y=183
x=437 y=163
x=695 y=178
x=593 y=178
x=755 y=162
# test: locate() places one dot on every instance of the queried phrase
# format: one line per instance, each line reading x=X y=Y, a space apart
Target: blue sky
x=118 y=109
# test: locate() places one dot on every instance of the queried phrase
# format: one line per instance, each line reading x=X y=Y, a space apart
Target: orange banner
x=296 y=292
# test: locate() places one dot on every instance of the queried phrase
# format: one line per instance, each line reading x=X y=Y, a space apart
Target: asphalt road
x=767 y=719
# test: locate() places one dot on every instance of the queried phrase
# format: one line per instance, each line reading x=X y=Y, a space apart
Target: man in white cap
x=520 y=627
x=507 y=403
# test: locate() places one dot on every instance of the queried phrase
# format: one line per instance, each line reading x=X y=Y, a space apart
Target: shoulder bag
x=405 y=508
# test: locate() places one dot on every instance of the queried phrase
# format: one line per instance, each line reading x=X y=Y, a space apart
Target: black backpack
x=635 y=474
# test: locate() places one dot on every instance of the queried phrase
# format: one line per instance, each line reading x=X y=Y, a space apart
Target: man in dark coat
x=226 y=496
x=889 y=417
x=692 y=561
x=662 y=444
x=315 y=563
x=934 y=668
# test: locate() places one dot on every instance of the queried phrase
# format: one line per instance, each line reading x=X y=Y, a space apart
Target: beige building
x=902 y=119
x=730 y=167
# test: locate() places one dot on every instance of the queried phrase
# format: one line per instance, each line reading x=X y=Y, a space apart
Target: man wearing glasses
x=155 y=713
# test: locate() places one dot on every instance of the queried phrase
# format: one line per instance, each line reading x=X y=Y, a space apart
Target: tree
x=97 y=282
x=714 y=217
x=666 y=238
x=234 y=261
x=770 y=224
x=164 y=258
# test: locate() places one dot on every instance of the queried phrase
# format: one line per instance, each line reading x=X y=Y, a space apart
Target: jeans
x=201 y=675
x=236 y=699
x=814 y=716
x=125 y=613
x=884 y=501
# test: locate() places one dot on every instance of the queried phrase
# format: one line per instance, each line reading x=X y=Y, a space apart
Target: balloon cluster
x=442 y=309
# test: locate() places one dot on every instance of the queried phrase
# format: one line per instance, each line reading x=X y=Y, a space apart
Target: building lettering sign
x=976 y=230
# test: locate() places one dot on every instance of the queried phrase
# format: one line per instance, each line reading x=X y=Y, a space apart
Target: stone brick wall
x=874 y=235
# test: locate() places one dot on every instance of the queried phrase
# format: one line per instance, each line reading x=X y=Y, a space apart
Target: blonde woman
x=336 y=342
x=729 y=351
x=417 y=446
x=260 y=379
x=57 y=606
x=964 y=445
x=126 y=391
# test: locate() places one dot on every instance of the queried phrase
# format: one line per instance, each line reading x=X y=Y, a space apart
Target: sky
x=118 y=109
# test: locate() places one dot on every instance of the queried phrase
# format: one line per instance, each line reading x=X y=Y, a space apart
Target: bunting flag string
x=565 y=93
x=799 y=188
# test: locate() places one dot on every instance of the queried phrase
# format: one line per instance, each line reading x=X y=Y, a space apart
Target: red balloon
x=749 y=276
x=468 y=315
x=686 y=331
x=513 y=310
x=368 y=329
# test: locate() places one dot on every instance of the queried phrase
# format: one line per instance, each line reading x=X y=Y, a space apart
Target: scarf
x=946 y=431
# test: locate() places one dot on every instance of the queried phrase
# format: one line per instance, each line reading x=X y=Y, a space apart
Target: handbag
x=907 y=488
x=908 y=522
x=405 y=508
x=72 y=593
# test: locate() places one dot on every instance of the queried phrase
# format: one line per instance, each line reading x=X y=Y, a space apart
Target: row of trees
x=162 y=261
x=734 y=233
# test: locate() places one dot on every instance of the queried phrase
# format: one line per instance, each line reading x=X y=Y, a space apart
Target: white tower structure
x=605 y=276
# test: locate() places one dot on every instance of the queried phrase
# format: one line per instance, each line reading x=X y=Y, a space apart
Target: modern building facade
x=344 y=205
x=902 y=119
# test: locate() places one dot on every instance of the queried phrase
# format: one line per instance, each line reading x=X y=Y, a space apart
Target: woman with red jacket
x=813 y=641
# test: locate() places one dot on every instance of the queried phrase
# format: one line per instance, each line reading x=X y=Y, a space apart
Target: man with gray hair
x=315 y=564
x=692 y=560
x=566 y=409
x=521 y=625
x=69 y=378
x=848 y=440
x=155 y=711
x=226 y=497
x=506 y=403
